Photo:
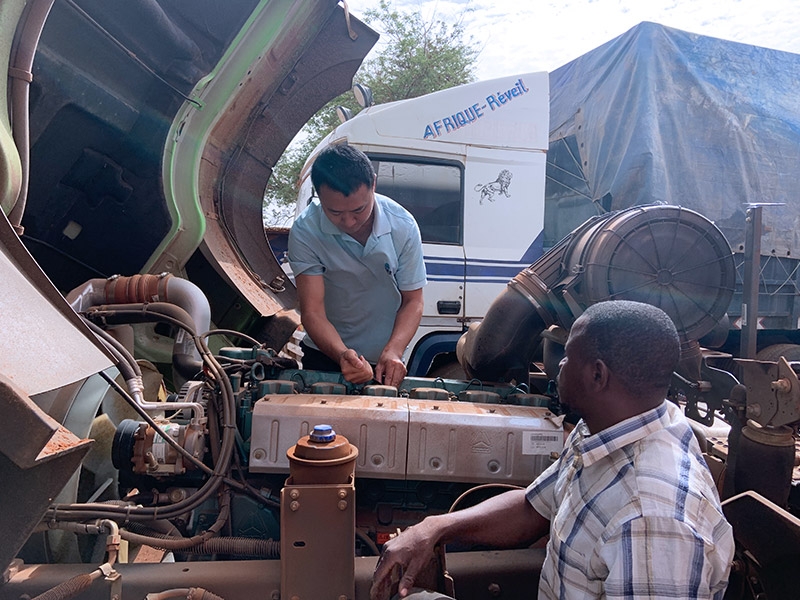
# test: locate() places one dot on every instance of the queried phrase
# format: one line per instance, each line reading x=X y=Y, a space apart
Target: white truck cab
x=469 y=163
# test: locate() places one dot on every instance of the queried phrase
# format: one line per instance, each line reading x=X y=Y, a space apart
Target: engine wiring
x=222 y=467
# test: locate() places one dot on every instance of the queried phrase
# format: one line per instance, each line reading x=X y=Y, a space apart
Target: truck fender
x=428 y=348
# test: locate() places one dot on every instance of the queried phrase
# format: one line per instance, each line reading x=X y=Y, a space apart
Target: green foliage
x=414 y=57
x=419 y=57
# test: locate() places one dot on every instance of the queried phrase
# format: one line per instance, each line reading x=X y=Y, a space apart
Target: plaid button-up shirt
x=633 y=513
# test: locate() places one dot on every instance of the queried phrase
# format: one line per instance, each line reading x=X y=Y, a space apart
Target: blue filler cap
x=322 y=434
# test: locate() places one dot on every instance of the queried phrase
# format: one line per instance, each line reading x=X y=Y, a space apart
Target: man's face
x=573 y=371
x=350 y=214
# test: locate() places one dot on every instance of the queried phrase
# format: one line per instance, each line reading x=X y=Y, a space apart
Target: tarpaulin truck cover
x=665 y=116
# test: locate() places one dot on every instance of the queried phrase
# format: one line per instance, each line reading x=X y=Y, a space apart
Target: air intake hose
x=667 y=256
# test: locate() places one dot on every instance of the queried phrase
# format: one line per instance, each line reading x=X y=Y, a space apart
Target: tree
x=416 y=57
x=419 y=57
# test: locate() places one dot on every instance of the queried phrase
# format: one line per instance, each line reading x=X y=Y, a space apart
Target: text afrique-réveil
x=473 y=113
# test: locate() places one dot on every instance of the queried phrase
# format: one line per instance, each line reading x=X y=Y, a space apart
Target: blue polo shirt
x=362 y=283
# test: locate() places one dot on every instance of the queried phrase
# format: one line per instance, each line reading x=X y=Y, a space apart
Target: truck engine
x=238 y=455
x=193 y=466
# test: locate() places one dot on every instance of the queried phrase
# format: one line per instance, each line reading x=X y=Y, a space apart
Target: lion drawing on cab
x=498 y=186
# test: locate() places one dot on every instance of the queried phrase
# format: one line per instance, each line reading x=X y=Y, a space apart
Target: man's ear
x=374 y=181
x=600 y=374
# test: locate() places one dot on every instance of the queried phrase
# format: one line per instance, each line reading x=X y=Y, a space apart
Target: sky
x=518 y=36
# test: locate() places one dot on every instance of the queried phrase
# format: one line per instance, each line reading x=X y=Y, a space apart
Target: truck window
x=431 y=192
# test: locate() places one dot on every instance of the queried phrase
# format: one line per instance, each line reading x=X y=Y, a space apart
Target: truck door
x=504 y=218
x=433 y=191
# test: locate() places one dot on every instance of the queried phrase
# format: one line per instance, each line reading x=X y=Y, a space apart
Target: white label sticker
x=542 y=442
x=160 y=450
x=160 y=445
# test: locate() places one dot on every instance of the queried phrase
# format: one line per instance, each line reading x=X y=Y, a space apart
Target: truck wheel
x=791 y=352
x=447 y=368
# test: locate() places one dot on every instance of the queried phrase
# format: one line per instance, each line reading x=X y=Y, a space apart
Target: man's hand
x=355 y=368
x=507 y=520
x=390 y=369
x=404 y=557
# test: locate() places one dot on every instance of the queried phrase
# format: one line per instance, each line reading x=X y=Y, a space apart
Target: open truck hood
x=137 y=137
x=153 y=129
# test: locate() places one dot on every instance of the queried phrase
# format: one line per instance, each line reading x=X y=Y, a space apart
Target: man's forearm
x=504 y=521
x=354 y=367
x=325 y=336
x=311 y=295
x=406 y=323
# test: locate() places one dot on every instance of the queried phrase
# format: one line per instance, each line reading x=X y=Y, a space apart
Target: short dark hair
x=342 y=168
x=638 y=342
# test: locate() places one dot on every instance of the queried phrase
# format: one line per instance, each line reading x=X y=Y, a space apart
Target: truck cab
x=469 y=163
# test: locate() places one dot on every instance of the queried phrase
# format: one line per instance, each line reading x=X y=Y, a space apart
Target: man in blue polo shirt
x=359 y=271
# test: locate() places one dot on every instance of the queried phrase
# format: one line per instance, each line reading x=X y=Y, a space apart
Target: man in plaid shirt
x=630 y=506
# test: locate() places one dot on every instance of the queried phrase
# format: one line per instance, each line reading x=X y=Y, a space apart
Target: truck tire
x=447 y=369
x=791 y=352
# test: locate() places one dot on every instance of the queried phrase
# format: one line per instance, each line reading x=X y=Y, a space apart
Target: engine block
x=407 y=438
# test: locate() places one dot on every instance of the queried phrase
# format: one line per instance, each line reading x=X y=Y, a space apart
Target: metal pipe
x=501 y=346
x=752 y=267
x=131 y=313
x=195 y=593
x=153 y=288
x=21 y=73
x=145 y=288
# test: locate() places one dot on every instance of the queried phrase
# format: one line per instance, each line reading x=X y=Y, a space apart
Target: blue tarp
x=662 y=115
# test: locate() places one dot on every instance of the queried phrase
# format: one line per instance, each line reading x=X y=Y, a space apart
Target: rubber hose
x=502 y=345
x=239 y=546
x=68 y=589
x=124 y=314
x=201 y=594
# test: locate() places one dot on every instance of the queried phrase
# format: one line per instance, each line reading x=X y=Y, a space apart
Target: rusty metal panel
x=37 y=457
x=767 y=547
x=767 y=532
x=36 y=333
x=317 y=541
